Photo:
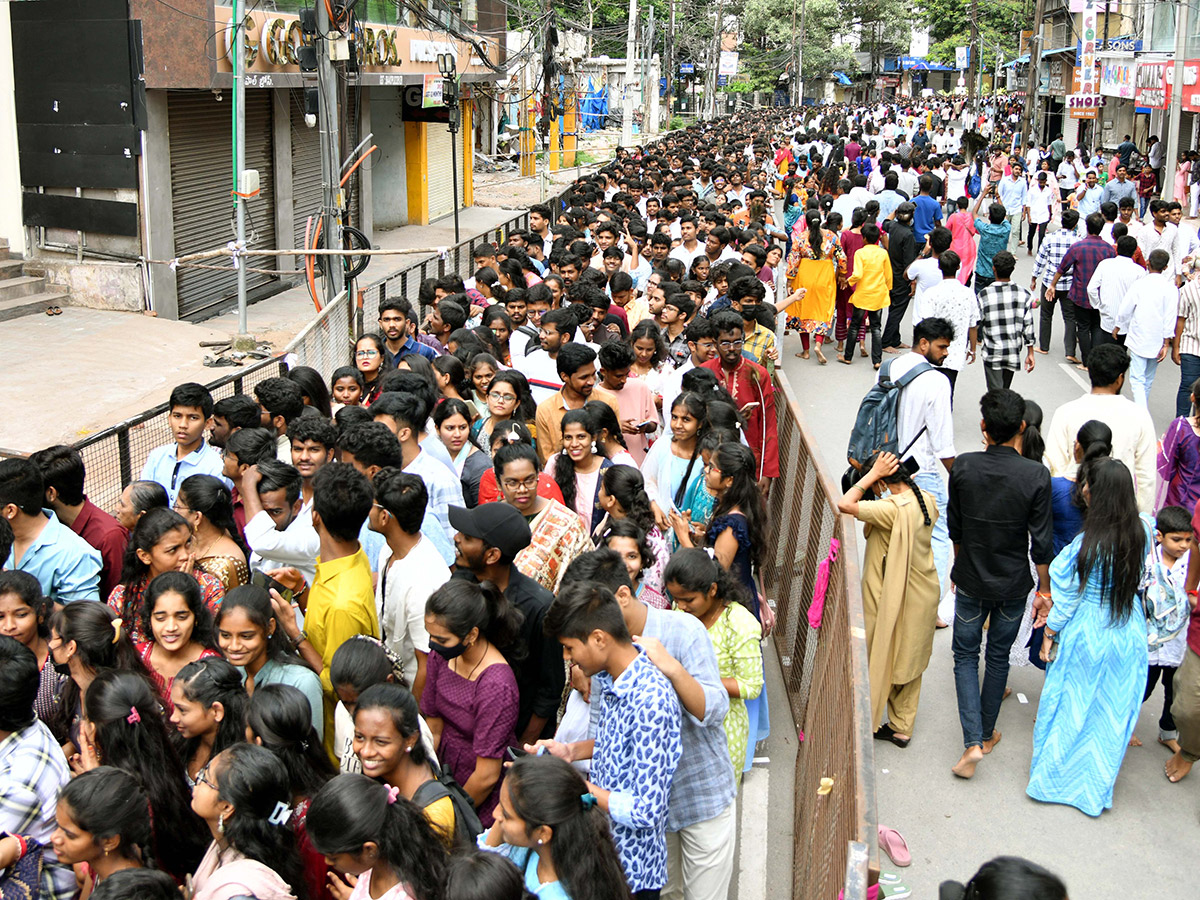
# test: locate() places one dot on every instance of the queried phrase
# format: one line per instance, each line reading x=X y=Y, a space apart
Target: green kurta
x=900 y=592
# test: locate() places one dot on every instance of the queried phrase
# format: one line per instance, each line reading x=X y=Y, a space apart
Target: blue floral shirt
x=637 y=749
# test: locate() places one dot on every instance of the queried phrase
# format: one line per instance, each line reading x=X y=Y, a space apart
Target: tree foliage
x=949 y=21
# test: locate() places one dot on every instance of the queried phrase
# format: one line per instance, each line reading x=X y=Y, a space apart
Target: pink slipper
x=893 y=844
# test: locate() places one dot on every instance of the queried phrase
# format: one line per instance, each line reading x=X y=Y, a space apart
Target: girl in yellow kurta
x=815 y=262
x=899 y=590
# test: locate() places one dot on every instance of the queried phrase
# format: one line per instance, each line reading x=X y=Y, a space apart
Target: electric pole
x=331 y=162
x=1176 y=108
x=1035 y=62
x=627 y=93
x=974 y=42
x=669 y=58
x=800 y=54
x=239 y=156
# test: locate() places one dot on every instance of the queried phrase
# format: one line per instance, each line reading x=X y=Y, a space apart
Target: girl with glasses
x=369 y=359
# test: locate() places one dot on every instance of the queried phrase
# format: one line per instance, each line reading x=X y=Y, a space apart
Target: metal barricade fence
x=824 y=669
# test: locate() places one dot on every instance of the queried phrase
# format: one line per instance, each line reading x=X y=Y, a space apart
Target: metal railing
x=824 y=670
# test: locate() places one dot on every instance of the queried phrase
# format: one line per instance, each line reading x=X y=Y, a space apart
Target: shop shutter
x=354 y=134
x=201 y=152
x=306 y=170
x=441 y=196
x=1187 y=131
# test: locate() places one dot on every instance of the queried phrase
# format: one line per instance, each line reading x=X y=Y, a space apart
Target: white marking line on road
x=1074 y=375
x=752 y=827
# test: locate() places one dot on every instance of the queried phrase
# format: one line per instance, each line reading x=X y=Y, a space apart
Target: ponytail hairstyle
x=148 y=531
x=137 y=884
x=604 y=419
x=463 y=605
x=546 y=791
x=452 y=368
x=208 y=681
x=208 y=496
x=108 y=802
x=722 y=414
x=1096 y=440
x=254 y=780
x=480 y=875
x=694 y=569
x=255 y=602
x=626 y=485
x=278 y=715
x=736 y=461
x=142 y=747
x=353 y=810
x=402 y=706
x=626 y=528
x=901 y=476
x=101 y=643
x=813 y=220
x=185 y=585
x=362 y=662
x=695 y=405
x=1033 y=445
x=564 y=468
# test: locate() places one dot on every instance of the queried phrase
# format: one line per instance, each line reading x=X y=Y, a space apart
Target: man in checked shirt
x=1049 y=258
x=1006 y=319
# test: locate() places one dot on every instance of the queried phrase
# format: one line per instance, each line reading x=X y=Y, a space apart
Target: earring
x=540 y=842
x=221 y=823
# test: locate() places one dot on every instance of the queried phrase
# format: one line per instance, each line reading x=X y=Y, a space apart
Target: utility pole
x=627 y=91
x=1035 y=63
x=331 y=163
x=715 y=61
x=670 y=65
x=800 y=54
x=239 y=157
x=974 y=41
x=1176 y=107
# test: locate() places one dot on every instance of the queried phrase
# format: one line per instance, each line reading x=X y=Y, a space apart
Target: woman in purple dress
x=1179 y=461
x=470 y=699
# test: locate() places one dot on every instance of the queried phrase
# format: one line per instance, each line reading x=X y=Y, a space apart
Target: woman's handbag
x=23 y=879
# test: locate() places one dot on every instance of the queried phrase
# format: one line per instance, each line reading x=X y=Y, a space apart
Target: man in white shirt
x=1112 y=278
x=956 y=303
x=279 y=527
x=1134 y=439
x=925 y=404
x=410 y=570
x=540 y=367
x=1187 y=244
x=1146 y=317
x=691 y=247
x=925 y=270
x=1158 y=234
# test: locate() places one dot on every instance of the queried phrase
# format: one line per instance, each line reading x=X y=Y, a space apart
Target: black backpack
x=877 y=428
x=467 y=826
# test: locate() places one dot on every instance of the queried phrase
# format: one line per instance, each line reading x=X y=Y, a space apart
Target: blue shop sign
x=1125 y=43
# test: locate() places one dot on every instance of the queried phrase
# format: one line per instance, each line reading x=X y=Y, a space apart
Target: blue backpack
x=974 y=184
x=876 y=428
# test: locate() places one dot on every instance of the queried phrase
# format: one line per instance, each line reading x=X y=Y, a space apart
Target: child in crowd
x=191 y=409
x=346 y=386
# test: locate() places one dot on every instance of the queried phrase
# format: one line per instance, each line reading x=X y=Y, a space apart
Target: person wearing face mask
x=900 y=599
x=471 y=699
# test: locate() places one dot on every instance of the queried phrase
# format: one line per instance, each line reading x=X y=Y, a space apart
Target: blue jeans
x=932 y=483
x=978 y=708
x=1189 y=371
x=1141 y=377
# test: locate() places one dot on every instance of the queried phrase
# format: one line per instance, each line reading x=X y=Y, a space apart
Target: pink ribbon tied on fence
x=817 y=608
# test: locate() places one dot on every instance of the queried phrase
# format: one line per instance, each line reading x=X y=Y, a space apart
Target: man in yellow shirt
x=341 y=599
x=577 y=369
x=872 y=282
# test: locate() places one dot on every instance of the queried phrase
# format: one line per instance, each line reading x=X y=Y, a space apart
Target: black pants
x=997 y=377
x=856 y=324
x=1040 y=228
x=982 y=281
x=1047 y=324
x=899 y=306
x=1166 y=721
x=1088 y=330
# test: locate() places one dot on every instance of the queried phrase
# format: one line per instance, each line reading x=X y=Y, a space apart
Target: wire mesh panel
x=824 y=669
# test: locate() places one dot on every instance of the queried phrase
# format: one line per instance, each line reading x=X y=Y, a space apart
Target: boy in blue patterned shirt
x=637 y=745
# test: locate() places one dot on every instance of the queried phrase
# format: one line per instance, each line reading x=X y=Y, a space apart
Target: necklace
x=480 y=663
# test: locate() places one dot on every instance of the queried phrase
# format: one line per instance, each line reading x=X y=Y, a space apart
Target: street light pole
x=1175 y=110
x=239 y=155
x=446 y=66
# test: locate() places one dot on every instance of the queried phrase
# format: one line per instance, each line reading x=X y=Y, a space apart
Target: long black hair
x=463 y=605
x=100 y=645
x=694 y=570
x=564 y=468
x=208 y=681
x=453 y=368
x=255 y=781
x=143 y=748
x=401 y=705
x=526 y=408
x=137 y=884
x=187 y=587
x=1095 y=438
x=1114 y=539
x=109 y=802
x=352 y=810
x=148 y=531
x=605 y=419
x=545 y=790
x=210 y=497
x=626 y=485
x=736 y=461
x=697 y=407
x=479 y=875
x=312 y=388
x=627 y=528
x=902 y=476
x=364 y=661
x=280 y=717
x=255 y=602
x=1007 y=878
x=1033 y=445
x=813 y=220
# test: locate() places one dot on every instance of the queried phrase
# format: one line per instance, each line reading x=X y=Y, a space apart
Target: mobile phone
x=267 y=583
x=515 y=753
x=911 y=466
x=649 y=423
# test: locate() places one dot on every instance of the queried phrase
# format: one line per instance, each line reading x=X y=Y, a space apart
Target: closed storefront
x=306 y=170
x=201 y=149
x=441 y=187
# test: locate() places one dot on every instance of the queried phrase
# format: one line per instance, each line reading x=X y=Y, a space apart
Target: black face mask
x=60 y=668
x=448 y=652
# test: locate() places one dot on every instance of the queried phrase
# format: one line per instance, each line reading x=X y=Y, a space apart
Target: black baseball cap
x=496 y=524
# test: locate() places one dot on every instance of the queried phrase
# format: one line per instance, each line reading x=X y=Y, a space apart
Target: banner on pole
x=728 y=64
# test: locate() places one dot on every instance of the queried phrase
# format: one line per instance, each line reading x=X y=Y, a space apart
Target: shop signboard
x=1117 y=77
x=1151 y=89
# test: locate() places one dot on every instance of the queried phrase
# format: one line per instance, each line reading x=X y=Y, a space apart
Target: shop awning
x=842 y=78
x=1024 y=60
x=923 y=65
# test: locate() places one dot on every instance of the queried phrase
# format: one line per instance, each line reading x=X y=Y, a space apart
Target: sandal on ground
x=893 y=844
x=885 y=733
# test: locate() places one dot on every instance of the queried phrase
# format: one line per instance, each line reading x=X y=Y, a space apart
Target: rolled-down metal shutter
x=1187 y=126
x=201 y=153
x=354 y=134
x=441 y=195
x=306 y=170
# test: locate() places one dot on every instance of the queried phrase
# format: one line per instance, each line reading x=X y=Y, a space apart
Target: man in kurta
x=753 y=394
x=899 y=599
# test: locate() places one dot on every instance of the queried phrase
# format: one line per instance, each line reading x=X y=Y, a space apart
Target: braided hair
x=901 y=475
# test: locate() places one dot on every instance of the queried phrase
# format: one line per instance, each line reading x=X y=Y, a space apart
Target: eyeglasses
x=502 y=398
x=202 y=778
x=731 y=345
x=528 y=483
x=366 y=353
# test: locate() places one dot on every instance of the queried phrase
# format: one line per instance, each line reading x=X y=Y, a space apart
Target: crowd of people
x=479 y=611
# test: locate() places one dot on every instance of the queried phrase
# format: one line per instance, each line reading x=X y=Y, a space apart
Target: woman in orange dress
x=816 y=261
